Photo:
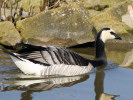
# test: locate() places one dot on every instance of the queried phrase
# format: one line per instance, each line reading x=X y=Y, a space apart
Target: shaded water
x=109 y=83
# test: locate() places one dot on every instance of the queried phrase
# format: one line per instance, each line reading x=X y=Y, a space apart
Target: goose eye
x=112 y=33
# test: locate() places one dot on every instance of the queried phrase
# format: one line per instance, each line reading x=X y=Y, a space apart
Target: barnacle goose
x=50 y=60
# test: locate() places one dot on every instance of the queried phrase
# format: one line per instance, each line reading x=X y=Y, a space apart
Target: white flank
x=66 y=70
x=27 y=67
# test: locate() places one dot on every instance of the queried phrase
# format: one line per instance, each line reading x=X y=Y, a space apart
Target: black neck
x=100 y=49
x=100 y=58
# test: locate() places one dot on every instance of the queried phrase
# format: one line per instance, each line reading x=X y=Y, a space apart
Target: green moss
x=112 y=18
x=8 y=34
x=70 y=22
x=112 y=3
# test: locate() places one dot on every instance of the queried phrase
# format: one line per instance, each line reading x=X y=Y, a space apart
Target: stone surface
x=75 y=22
x=101 y=2
x=111 y=13
x=112 y=17
x=8 y=34
x=65 y=26
x=127 y=20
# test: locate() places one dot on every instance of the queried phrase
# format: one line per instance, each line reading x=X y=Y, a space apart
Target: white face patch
x=106 y=35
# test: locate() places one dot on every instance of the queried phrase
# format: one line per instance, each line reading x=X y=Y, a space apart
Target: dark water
x=110 y=83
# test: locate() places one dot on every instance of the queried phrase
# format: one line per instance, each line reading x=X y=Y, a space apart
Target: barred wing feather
x=54 y=55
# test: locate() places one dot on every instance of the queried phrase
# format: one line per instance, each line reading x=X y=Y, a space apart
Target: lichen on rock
x=70 y=23
x=112 y=17
x=8 y=34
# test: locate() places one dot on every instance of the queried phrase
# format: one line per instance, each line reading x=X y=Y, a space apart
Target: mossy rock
x=111 y=17
x=110 y=3
x=96 y=7
x=8 y=34
x=65 y=26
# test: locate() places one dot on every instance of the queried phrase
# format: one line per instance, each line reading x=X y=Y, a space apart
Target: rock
x=127 y=20
x=64 y=26
x=112 y=17
x=8 y=34
x=110 y=3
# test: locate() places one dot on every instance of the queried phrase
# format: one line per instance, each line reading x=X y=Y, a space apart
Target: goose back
x=49 y=55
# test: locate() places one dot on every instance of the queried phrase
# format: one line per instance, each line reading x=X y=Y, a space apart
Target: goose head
x=103 y=35
x=107 y=34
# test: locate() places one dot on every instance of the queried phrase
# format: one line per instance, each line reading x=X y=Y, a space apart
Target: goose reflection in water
x=99 y=88
x=37 y=85
x=44 y=84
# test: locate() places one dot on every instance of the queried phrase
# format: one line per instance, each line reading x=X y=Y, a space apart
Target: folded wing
x=50 y=55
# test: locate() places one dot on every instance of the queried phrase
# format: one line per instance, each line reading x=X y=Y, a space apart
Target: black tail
x=10 y=53
x=22 y=48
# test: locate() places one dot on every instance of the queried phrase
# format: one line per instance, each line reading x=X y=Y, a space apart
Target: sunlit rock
x=111 y=13
x=64 y=26
x=8 y=34
x=111 y=17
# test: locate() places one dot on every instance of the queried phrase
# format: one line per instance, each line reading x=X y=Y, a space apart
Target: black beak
x=117 y=37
